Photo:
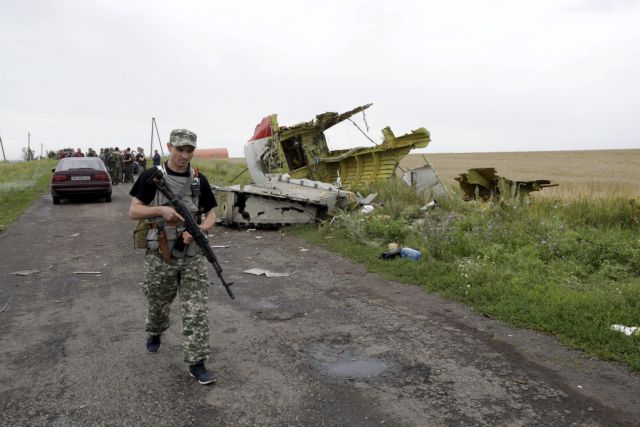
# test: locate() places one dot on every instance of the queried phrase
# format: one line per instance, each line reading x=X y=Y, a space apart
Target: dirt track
x=328 y=345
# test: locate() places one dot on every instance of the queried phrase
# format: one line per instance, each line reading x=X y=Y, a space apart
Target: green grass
x=20 y=184
x=567 y=268
x=223 y=172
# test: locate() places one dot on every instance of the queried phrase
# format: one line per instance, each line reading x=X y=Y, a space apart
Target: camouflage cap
x=182 y=137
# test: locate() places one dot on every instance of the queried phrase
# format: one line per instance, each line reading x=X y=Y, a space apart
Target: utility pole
x=2 y=145
x=151 y=148
x=29 y=146
x=154 y=125
x=41 y=150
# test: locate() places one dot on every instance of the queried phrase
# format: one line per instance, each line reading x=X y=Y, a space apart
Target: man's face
x=180 y=156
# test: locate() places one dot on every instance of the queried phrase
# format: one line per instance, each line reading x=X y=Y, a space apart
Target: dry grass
x=591 y=174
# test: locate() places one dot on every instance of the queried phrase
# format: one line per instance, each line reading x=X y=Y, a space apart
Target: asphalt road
x=329 y=344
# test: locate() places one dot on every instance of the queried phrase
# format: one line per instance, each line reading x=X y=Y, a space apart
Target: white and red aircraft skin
x=254 y=148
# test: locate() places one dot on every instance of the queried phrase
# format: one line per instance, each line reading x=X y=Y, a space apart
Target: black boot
x=153 y=343
x=199 y=372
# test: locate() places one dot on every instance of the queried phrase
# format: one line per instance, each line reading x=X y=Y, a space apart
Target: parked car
x=80 y=176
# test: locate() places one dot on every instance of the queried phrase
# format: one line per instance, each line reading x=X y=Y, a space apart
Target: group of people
x=120 y=164
x=174 y=265
x=78 y=153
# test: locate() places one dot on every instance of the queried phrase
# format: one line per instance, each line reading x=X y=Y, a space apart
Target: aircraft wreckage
x=297 y=179
x=485 y=183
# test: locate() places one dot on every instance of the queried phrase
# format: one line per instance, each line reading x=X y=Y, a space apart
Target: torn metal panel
x=280 y=203
x=424 y=179
x=246 y=209
x=268 y=273
x=485 y=183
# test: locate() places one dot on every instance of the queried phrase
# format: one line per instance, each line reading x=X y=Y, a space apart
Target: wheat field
x=590 y=174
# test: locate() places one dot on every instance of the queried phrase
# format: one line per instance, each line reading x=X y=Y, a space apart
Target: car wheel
x=56 y=200
x=107 y=198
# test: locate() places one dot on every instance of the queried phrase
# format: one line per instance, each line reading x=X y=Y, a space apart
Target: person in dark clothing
x=156 y=158
x=141 y=159
x=127 y=165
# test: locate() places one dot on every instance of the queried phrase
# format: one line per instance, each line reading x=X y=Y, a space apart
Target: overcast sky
x=480 y=75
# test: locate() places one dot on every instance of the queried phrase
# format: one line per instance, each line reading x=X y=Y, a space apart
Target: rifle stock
x=191 y=225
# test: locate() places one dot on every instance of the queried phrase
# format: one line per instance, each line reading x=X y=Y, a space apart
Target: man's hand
x=188 y=238
x=170 y=214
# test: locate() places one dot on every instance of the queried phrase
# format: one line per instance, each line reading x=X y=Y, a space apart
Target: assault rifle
x=191 y=225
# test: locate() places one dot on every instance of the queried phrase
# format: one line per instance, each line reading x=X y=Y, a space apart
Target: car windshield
x=79 y=163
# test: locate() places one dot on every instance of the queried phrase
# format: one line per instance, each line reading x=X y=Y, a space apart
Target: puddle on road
x=344 y=362
x=269 y=310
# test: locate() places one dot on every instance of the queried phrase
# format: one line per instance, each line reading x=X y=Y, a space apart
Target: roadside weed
x=20 y=184
x=570 y=268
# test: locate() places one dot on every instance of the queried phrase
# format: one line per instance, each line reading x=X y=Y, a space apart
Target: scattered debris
x=367 y=209
x=410 y=253
x=627 y=330
x=391 y=254
x=75 y=235
x=25 y=272
x=303 y=250
x=87 y=272
x=395 y=252
x=268 y=273
x=218 y=246
x=484 y=183
x=425 y=179
x=431 y=205
x=366 y=200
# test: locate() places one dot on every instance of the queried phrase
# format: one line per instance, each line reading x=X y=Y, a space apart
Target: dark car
x=80 y=176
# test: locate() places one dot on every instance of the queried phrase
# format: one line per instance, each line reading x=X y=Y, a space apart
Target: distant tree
x=27 y=154
x=52 y=155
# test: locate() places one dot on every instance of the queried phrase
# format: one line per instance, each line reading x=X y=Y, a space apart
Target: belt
x=166 y=224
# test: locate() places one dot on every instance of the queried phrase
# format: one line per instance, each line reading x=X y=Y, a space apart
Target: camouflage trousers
x=116 y=175
x=187 y=277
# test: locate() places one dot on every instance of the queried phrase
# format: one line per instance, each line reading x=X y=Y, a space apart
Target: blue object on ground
x=410 y=253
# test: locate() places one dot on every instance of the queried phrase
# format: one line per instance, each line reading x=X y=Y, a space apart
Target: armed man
x=173 y=262
x=116 y=162
x=141 y=159
x=108 y=161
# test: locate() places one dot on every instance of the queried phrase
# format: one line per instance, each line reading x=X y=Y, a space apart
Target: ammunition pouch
x=165 y=238
x=140 y=232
